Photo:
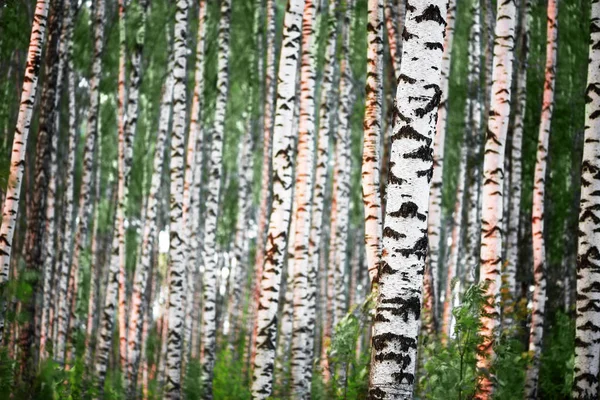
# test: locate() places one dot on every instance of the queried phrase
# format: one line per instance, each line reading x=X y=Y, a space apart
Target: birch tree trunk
x=44 y=158
x=265 y=192
x=115 y=288
x=85 y=203
x=17 y=162
x=341 y=186
x=493 y=187
x=587 y=325
x=149 y=234
x=283 y=140
x=372 y=136
x=177 y=265
x=215 y=168
x=473 y=234
x=396 y=323
x=322 y=165
x=48 y=254
x=435 y=195
x=537 y=219
x=512 y=241
x=193 y=172
x=303 y=297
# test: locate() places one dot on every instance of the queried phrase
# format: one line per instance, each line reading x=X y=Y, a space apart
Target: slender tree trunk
x=341 y=188
x=115 y=287
x=48 y=255
x=47 y=129
x=396 y=326
x=239 y=265
x=193 y=175
x=393 y=25
x=587 y=325
x=85 y=203
x=17 y=161
x=473 y=184
x=372 y=136
x=303 y=296
x=512 y=241
x=283 y=140
x=177 y=265
x=269 y=119
x=215 y=168
x=451 y=291
x=322 y=166
x=493 y=188
x=435 y=197
x=149 y=234
x=539 y=189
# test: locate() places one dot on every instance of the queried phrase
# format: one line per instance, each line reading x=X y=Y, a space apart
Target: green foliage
x=450 y=371
x=229 y=381
x=558 y=355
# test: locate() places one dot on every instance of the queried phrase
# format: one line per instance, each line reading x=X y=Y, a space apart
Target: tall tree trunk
x=372 y=136
x=48 y=253
x=396 y=323
x=512 y=241
x=192 y=184
x=269 y=119
x=341 y=187
x=177 y=265
x=283 y=141
x=215 y=168
x=115 y=288
x=47 y=129
x=439 y=143
x=473 y=184
x=537 y=219
x=149 y=234
x=493 y=187
x=303 y=297
x=587 y=325
x=85 y=202
x=394 y=24
x=17 y=162
x=240 y=267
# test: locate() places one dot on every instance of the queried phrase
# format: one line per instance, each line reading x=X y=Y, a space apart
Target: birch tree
x=177 y=247
x=587 y=324
x=372 y=137
x=303 y=298
x=493 y=187
x=396 y=323
x=10 y=209
x=283 y=140
x=512 y=240
x=539 y=190
x=439 y=144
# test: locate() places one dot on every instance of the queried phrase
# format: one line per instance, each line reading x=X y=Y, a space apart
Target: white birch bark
x=537 y=219
x=149 y=234
x=396 y=323
x=215 y=169
x=435 y=196
x=85 y=203
x=473 y=223
x=192 y=184
x=372 y=136
x=17 y=162
x=283 y=140
x=493 y=187
x=512 y=241
x=587 y=325
x=303 y=297
x=177 y=265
